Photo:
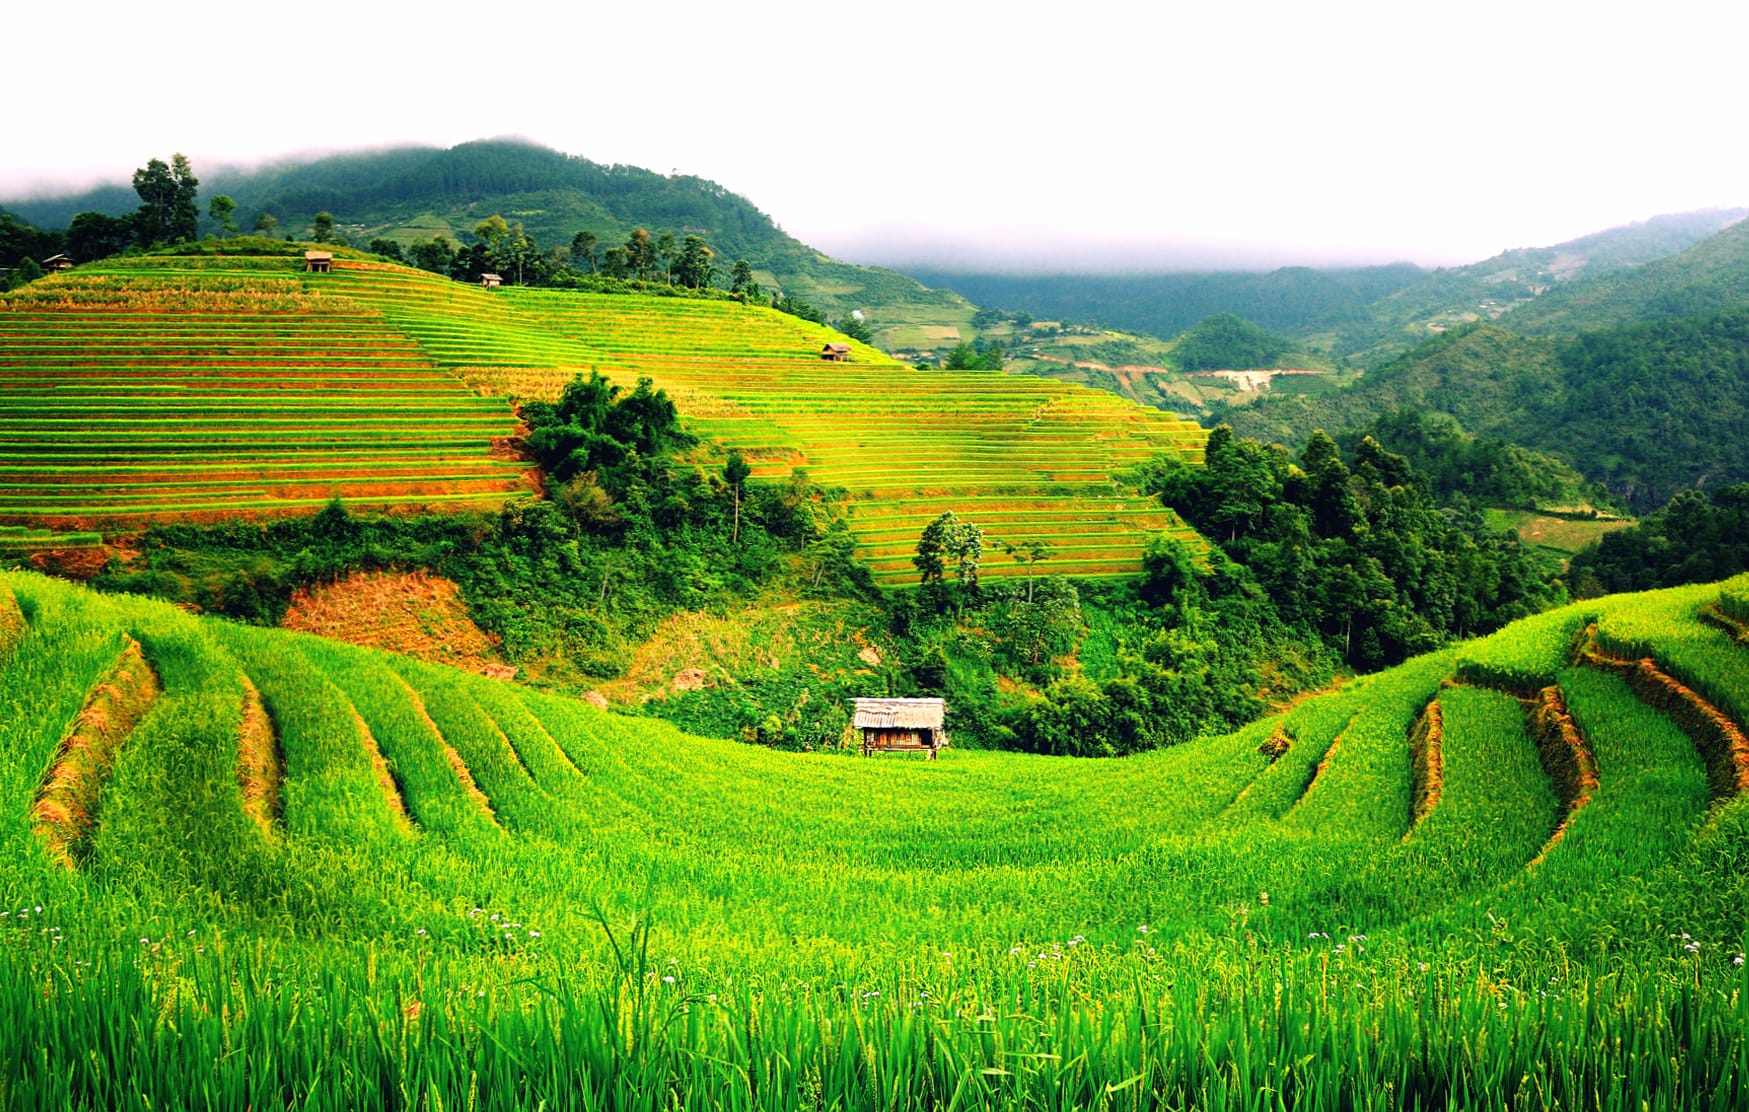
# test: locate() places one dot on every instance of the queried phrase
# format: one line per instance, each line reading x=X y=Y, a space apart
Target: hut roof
x=837 y=349
x=319 y=256
x=903 y=714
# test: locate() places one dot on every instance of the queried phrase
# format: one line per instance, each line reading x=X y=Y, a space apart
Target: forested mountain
x=1709 y=276
x=1647 y=410
x=1292 y=300
x=414 y=193
x=1226 y=342
x=1372 y=314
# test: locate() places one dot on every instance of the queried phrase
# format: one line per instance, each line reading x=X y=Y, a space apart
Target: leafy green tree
x=852 y=325
x=964 y=357
x=388 y=249
x=435 y=254
x=223 y=212
x=93 y=235
x=735 y=473
x=266 y=224
x=796 y=307
x=667 y=255
x=695 y=268
x=583 y=249
x=741 y=277
x=167 y=212
x=640 y=255
x=28 y=270
x=322 y=228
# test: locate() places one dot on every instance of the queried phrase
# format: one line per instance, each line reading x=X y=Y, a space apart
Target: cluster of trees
x=1357 y=549
x=1186 y=649
x=1696 y=538
x=1485 y=470
x=1226 y=342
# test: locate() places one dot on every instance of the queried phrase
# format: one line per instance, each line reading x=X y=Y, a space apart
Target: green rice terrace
x=144 y=387
x=250 y=868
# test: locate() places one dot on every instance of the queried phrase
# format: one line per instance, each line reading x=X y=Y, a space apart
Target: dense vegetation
x=1359 y=549
x=1710 y=276
x=1226 y=342
x=1645 y=410
x=419 y=197
x=421 y=888
x=1695 y=538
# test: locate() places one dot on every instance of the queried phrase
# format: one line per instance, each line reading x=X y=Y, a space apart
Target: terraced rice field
x=128 y=396
x=273 y=871
x=144 y=387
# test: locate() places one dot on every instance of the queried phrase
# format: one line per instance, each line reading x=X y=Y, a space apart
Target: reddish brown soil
x=415 y=614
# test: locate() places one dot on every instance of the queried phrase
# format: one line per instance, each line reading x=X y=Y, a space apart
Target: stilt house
x=901 y=725
x=318 y=262
x=835 y=353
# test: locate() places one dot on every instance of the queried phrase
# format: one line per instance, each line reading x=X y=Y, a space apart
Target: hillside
x=278 y=871
x=1372 y=314
x=1710 y=276
x=1025 y=458
x=409 y=194
x=1646 y=410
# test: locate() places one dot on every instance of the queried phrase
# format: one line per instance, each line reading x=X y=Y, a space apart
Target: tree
x=388 y=249
x=92 y=235
x=435 y=254
x=1029 y=554
x=265 y=224
x=695 y=269
x=167 y=212
x=741 y=277
x=28 y=270
x=948 y=538
x=222 y=210
x=667 y=254
x=855 y=327
x=736 y=472
x=640 y=255
x=322 y=228
x=583 y=248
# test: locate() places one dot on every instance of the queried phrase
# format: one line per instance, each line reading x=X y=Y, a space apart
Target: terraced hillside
x=1025 y=458
x=126 y=396
x=268 y=870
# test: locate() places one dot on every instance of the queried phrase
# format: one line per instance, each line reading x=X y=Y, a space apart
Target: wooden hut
x=318 y=262
x=491 y=281
x=835 y=353
x=901 y=725
x=56 y=263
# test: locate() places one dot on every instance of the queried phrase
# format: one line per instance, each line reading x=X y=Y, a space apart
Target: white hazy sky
x=1086 y=135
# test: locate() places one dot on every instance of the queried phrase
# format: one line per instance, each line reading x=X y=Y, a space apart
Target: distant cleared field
x=1561 y=534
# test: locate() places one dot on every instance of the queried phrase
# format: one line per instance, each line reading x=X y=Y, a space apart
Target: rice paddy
x=143 y=388
x=441 y=890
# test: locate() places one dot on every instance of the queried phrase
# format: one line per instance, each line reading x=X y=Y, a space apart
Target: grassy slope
x=1193 y=923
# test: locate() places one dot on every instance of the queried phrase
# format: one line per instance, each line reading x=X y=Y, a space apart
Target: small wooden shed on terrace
x=318 y=262
x=57 y=262
x=491 y=281
x=901 y=725
x=835 y=353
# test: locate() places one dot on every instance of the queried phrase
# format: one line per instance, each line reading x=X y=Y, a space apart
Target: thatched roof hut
x=835 y=353
x=901 y=724
x=318 y=262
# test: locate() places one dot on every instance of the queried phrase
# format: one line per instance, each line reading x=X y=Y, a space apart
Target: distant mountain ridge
x=1372 y=314
x=416 y=192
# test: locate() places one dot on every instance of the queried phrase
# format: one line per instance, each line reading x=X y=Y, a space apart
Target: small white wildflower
x=534 y=934
x=1738 y=960
x=1422 y=966
x=1143 y=929
x=668 y=978
x=421 y=932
